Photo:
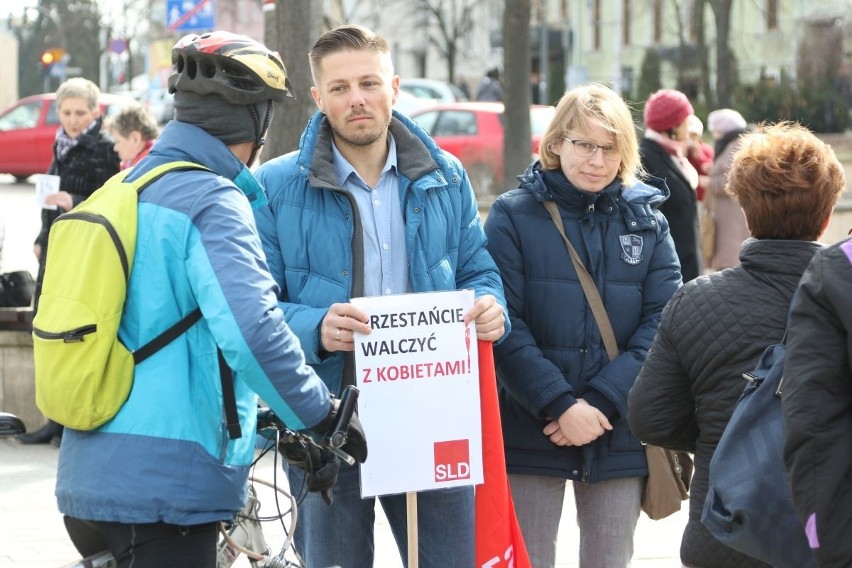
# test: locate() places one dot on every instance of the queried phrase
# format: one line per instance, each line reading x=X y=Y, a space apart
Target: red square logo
x=452 y=460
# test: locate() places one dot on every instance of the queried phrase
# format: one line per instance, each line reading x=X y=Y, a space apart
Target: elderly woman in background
x=715 y=327
x=134 y=130
x=726 y=126
x=699 y=153
x=562 y=400
x=662 y=149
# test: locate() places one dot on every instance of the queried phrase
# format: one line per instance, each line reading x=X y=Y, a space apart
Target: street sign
x=191 y=15
x=59 y=70
x=117 y=45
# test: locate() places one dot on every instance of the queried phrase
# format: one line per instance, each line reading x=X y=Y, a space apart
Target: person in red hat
x=666 y=119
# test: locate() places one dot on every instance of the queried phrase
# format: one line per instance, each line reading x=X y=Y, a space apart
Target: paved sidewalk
x=32 y=534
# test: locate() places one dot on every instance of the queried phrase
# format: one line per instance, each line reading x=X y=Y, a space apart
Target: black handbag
x=16 y=289
x=749 y=504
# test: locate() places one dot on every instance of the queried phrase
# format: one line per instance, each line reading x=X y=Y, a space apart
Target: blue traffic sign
x=190 y=15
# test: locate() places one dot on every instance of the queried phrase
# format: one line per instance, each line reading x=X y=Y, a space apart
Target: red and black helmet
x=236 y=67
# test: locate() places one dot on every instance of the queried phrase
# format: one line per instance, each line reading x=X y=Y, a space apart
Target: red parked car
x=28 y=128
x=473 y=132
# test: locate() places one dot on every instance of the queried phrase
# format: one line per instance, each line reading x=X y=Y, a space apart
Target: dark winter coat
x=817 y=404
x=85 y=168
x=554 y=353
x=713 y=330
x=680 y=209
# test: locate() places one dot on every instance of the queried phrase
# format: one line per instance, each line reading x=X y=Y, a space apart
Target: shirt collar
x=343 y=169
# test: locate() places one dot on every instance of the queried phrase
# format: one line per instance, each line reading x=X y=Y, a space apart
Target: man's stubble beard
x=360 y=138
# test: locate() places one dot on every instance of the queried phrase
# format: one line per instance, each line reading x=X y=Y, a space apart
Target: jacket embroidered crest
x=631 y=248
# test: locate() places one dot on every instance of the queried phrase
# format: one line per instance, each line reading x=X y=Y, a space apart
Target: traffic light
x=51 y=58
x=47 y=60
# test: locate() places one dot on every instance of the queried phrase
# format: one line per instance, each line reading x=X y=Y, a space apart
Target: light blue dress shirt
x=385 y=257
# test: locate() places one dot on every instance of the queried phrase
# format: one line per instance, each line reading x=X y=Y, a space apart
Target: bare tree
x=724 y=61
x=292 y=28
x=517 y=96
x=130 y=23
x=451 y=19
x=341 y=12
x=698 y=24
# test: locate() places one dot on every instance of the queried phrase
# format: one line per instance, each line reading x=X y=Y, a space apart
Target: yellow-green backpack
x=83 y=372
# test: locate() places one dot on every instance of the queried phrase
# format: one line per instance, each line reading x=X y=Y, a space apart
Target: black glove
x=356 y=441
x=320 y=465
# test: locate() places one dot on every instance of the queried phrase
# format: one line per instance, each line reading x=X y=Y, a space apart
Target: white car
x=441 y=91
x=406 y=103
x=160 y=102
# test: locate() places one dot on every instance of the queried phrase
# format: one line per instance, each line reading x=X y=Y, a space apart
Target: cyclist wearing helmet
x=152 y=483
x=395 y=214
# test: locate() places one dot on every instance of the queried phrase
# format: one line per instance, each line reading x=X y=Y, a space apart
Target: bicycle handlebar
x=333 y=441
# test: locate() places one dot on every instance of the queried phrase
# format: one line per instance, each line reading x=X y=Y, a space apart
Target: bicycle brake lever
x=336 y=437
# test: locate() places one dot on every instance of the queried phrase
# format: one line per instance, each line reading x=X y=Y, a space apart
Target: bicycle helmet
x=236 y=67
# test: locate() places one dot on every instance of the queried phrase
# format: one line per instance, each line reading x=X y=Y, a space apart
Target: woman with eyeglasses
x=663 y=148
x=563 y=401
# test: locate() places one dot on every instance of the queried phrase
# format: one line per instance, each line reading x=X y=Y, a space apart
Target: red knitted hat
x=666 y=109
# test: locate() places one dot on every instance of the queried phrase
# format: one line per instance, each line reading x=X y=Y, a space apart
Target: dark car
x=473 y=132
x=28 y=128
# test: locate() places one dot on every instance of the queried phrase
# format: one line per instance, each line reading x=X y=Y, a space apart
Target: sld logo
x=452 y=460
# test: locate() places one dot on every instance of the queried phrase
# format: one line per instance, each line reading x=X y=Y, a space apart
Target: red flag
x=499 y=543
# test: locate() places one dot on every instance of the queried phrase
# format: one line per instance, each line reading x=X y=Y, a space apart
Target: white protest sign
x=45 y=185
x=418 y=373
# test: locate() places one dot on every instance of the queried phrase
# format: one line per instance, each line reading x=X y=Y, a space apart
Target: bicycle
x=244 y=535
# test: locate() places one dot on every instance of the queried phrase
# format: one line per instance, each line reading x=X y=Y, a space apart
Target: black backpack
x=16 y=289
x=749 y=504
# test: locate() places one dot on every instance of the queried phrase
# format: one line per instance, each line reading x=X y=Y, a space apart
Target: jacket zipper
x=348 y=376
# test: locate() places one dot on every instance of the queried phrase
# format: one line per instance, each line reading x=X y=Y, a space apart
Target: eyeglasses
x=586 y=149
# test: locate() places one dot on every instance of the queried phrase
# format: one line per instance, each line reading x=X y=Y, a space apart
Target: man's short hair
x=350 y=37
x=786 y=180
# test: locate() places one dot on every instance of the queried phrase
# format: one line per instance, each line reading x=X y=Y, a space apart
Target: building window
x=771 y=14
x=596 y=25
x=627 y=80
x=625 y=22
x=657 y=24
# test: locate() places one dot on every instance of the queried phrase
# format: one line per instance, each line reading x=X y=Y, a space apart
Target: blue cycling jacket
x=166 y=455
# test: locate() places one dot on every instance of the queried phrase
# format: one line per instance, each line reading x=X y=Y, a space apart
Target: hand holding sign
x=339 y=326
x=487 y=313
x=46 y=185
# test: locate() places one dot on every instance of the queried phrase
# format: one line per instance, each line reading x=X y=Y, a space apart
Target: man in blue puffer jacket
x=152 y=484
x=368 y=206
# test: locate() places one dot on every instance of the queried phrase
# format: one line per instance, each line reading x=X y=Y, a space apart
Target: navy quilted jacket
x=713 y=330
x=554 y=353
